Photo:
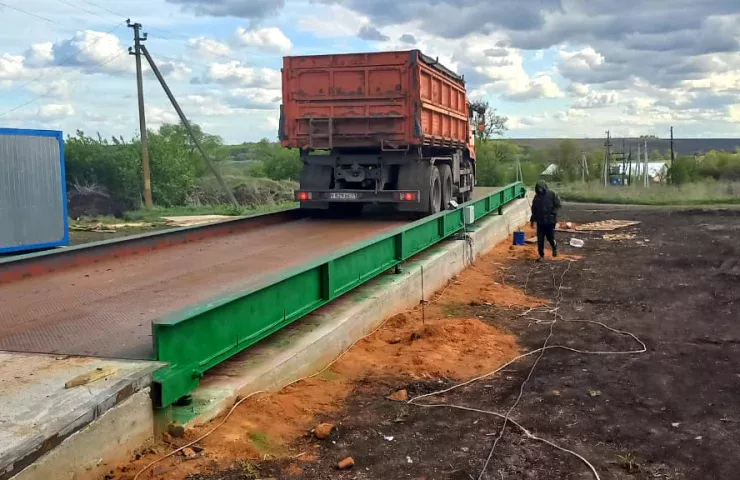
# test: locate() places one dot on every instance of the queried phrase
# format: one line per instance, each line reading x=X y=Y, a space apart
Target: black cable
x=103 y=8
x=110 y=59
x=68 y=57
x=77 y=7
x=29 y=13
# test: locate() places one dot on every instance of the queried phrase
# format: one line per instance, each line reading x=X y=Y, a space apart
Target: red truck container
x=385 y=127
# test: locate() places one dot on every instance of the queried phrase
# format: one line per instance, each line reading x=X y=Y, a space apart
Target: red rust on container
x=399 y=98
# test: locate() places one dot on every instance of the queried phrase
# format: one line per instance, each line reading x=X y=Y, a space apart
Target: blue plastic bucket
x=519 y=238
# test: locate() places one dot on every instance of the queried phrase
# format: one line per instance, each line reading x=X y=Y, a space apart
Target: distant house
x=550 y=171
x=657 y=171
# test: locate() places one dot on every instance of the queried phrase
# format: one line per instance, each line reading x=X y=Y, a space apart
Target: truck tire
x=445 y=175
x=435 y=191
x=315 y=177
x=424 y=177
x=467 y=196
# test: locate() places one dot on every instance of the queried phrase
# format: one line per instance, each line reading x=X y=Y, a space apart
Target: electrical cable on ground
x=550 y=334
x=540 y=352
x=414 y=400
x=243 y=399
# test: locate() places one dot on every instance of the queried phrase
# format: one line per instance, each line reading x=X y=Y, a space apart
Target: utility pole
x=519 y=174
x=624 y=160
x=645 y=167
x=673 y=158
x=138 y=38
x=607 y=158
x=186 y=124
x=584 y=167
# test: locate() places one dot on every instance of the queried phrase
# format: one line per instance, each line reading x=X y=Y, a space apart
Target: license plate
x=342 y=196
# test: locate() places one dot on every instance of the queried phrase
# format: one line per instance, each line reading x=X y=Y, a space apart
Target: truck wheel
x=315 y=177
x=435 y=191
x=445 y=175
x=467 y=196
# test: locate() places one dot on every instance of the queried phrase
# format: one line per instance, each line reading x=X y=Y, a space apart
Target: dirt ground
x=672 y=412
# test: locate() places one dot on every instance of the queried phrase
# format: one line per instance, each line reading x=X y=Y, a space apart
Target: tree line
x=264 y=171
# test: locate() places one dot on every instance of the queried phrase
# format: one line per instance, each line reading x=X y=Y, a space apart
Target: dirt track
x=672 y=412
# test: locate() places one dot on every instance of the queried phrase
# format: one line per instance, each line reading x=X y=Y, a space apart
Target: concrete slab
x=309 y=344
x=38 y=413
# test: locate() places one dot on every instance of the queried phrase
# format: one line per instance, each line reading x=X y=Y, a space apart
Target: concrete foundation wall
x=314 y=341
x=98 y=448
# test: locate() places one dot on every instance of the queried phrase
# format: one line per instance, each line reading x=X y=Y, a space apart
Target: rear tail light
x=407 y=196
x=303 y=196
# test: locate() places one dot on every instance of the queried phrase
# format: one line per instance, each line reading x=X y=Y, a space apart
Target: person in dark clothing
x=545 y=207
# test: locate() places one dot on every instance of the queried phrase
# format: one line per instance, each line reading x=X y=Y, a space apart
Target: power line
x=77 y=7
x=43 y=95
x=29 y=13
x=103 y=8
x=68 y=57
x=170 y=32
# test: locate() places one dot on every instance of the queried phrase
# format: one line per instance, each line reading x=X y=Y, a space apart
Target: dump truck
x=383 y=127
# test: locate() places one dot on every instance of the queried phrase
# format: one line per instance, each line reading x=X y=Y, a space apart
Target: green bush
x=278 y=163
x=114 y=165
x=247 y=191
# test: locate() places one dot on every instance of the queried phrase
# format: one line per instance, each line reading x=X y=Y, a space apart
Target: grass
x=154 y=215
x=263 y=444
x=705 y=193
x=260 y=440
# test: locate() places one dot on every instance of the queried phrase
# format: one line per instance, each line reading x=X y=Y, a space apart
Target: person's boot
x=555 y=251
x=540 y=259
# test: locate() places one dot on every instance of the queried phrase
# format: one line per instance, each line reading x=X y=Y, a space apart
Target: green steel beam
x=195 y=340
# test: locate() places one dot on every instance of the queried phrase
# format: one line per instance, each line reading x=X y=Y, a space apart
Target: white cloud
x=40 y=54
x=207 y=105
x=734 y=113
x=716 y=82
x=174 y=70
x=540 y=86
x=578 y=88
x=12 y=67
x=56 y=111
x=497 y=68
x=208 y=47
x=268 y=39
x=59 y=88
x=593 y=99
x=255 y=98
x=237 y=74
x=333 y=21
x=580 y=61
x=157 y=116
x=88 y=50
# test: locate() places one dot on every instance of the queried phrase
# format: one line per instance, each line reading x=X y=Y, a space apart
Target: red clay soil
x=433 y=342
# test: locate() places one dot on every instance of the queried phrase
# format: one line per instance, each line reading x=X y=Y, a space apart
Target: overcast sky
x=554 y=67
